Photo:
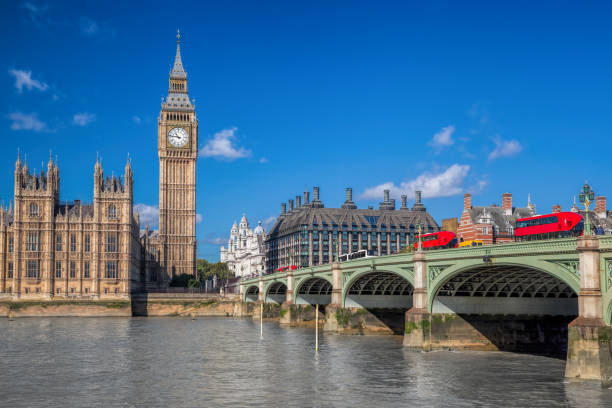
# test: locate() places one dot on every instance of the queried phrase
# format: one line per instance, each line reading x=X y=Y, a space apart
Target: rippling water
x=214 y=362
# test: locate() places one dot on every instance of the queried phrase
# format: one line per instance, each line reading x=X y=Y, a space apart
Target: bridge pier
x=331 y=310
x=287 y=311
x=261 y=297
x=589 y=351
x=417 y=335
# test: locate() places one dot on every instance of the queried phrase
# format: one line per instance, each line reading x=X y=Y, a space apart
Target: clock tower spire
x=177 y=145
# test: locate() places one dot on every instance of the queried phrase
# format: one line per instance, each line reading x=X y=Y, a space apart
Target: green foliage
x=204 y=271
x=410 y=327
x=194 y=283
x=207 y=270
x=44 y=304
x=180 y=281
x=343 y=316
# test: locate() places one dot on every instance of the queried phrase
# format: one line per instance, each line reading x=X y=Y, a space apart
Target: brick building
x=492 y=224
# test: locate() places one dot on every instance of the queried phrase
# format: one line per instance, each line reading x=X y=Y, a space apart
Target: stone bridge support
x=286 y=309
x=262 y=294
x=416 y=333
x=331 y=311
x=589 y=349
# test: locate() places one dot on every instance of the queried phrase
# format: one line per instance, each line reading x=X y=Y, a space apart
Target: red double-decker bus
x=437 y=240
x=286 y=268
x=556 y=225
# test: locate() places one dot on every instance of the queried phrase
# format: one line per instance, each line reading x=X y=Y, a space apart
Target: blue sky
x=447 y=97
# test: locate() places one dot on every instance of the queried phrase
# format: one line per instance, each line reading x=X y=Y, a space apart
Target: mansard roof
x=353 y=219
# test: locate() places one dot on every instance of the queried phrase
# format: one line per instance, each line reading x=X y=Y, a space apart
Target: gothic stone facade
x=50 y=249
x=172 y=250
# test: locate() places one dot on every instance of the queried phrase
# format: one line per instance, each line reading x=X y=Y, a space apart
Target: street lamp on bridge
x=419 y=227
x=587 y=196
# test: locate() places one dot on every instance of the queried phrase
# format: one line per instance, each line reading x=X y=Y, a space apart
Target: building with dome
x=245 y=252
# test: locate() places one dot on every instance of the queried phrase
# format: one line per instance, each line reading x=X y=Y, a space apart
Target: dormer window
x=33 y=210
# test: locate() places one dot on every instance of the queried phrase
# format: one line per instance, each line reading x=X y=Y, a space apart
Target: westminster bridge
x=523 y=296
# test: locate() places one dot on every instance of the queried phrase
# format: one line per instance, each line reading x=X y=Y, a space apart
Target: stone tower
x=177 y=145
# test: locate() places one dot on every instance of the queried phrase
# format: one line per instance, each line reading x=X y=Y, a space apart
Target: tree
x=207 y=270
x=204 y=271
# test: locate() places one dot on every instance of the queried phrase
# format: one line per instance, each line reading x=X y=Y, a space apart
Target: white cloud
x=263 y=160
x=432 y=184
x=478 y=187
x=149 y=214
x=27 y=121
x=136 y=119
x=199 y=218
x=35 y=11
x=83 y=119
x=23 y=79
x=443 y=137
x=269 y=222
x=505 y=148
x=88 y=26
x=221 y=146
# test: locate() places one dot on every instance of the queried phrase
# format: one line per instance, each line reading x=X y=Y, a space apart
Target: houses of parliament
x=54 y=249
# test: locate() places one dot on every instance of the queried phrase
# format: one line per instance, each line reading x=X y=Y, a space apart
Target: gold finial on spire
x=178 y=36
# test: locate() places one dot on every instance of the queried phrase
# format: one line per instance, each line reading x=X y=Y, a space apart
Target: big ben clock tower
x=177 y=145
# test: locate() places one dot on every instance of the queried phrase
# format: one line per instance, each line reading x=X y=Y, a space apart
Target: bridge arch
x=276 y=292
x=313 y=290
x=544 y=289
x=381 y=289
x=251 y=294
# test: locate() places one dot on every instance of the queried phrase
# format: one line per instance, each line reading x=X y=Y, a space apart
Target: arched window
x=112 y=211
x=33 y=210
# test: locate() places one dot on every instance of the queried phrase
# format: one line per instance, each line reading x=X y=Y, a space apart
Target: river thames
x=217 y=362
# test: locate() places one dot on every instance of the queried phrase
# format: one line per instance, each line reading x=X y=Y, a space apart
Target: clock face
x=178 y=137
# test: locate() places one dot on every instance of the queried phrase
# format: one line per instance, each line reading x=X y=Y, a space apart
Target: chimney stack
x=316 y=203
x=386 y=204
x=556 y=208
x=283 y=208
x=467 y=201
x=418 y=205
x=290 y=205
x=507 y=203
x=601 y=209
x=298 y=202
x=392 y=206
x=349 y=204
x=404 y=202
x=306 y=197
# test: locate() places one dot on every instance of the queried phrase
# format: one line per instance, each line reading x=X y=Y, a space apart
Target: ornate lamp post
x=337 y=245
x=419 y=227
x=586 y=198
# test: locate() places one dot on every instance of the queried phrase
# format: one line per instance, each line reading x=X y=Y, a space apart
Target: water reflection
x=161 y=362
